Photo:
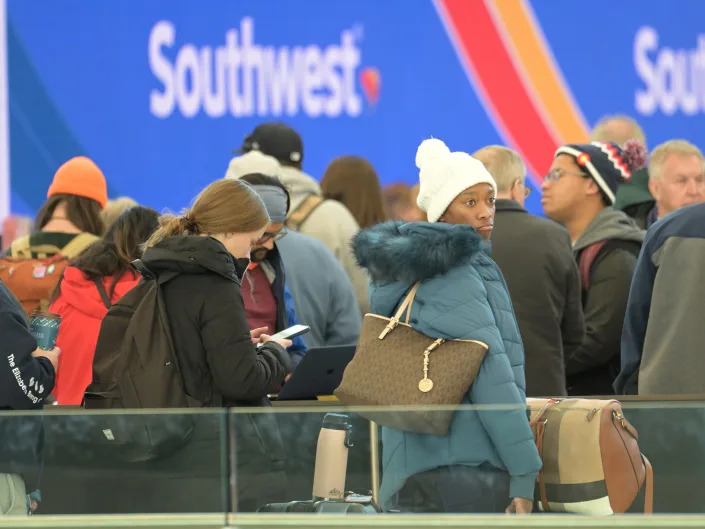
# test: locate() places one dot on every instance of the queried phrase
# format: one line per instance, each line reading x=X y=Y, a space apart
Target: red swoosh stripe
x=490 y=68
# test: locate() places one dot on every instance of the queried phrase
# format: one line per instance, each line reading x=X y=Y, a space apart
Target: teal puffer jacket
x=462 y=296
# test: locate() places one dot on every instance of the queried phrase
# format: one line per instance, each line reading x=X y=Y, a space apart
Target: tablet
x=319 y=373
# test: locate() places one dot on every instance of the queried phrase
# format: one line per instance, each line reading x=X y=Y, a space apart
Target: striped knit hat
x=608 y=163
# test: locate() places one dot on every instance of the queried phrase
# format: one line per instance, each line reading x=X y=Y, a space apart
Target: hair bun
x=431 y=152
x=188 y=225
x=634 y=155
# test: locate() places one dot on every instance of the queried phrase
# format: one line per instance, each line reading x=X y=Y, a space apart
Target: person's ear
x=591 y=187
x=516 y=191
x=654 y=188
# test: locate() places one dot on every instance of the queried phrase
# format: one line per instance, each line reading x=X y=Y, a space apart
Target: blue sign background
x=80 y=83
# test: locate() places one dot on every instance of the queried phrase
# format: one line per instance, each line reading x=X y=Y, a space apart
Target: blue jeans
x=456 y=489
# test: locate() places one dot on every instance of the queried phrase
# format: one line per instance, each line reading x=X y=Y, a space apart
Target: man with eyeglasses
x=578 y=192
x=269 y=305
x=536 y=258
x=323 y=295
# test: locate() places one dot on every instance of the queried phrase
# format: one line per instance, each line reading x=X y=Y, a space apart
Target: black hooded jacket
x=25 y=381
x=206 y=313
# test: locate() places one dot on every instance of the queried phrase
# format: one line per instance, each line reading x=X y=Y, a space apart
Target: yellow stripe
x=559 y=108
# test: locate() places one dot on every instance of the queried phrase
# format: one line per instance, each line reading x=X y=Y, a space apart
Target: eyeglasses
x=272 y=236
x=557 y=174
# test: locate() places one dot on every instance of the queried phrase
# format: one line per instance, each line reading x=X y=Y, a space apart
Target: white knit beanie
x=252 y=162
x=444 y=175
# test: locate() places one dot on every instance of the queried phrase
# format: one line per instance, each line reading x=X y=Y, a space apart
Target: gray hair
x=631 y=130
x=662 y=152
x=504 y=164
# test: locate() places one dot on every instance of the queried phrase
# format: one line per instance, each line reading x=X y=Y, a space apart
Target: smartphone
x=290 y=333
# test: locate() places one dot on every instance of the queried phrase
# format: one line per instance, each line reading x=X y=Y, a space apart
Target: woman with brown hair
x=89 y=286
x=207 y=250
x=204 y=254
x=353 y=181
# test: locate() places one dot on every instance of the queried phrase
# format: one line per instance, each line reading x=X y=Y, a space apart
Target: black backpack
x=135 y=367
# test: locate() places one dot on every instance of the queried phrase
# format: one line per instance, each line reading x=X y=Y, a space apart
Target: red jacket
x=82 y=311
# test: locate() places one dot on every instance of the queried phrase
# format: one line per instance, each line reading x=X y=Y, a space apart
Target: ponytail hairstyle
x=225 y=206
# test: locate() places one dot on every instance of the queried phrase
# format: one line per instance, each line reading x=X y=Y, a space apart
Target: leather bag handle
x=648 y=487
x=405 y=306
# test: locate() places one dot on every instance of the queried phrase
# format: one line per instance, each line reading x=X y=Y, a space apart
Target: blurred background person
x=90 y=285
x=400 y=203
x=114 y=208
x=310 y=213
x=633 y=196
x=75 y=199
x=677 y=170
x=352 y=181
x=536 y=259
x=67 y=224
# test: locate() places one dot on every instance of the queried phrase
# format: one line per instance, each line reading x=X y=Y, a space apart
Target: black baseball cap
x=275 y=139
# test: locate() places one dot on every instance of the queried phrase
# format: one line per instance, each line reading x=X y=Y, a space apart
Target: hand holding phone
x=291 y=333
x=287 y=334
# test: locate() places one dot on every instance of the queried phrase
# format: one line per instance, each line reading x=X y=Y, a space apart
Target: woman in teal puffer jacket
x=488 y=459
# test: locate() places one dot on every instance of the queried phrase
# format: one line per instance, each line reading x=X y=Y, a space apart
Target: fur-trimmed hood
x=414 y=251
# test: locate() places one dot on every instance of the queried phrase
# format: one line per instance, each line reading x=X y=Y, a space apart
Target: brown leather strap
x=303 y=211
x=394 y=321
x=648 y=487
x=543 y=411
x=407 y=303
x=540 y=429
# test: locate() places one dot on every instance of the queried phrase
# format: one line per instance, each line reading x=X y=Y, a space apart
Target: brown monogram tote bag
x=394 y=365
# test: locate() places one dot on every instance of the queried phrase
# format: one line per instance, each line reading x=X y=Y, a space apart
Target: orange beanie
x=82 y=177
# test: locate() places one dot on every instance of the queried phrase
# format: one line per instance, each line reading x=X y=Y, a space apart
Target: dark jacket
x=217 y=358
x=24 y=383
x=208 y=323
x=663 y=340
x=286 y=310
x=536 y=258
x=635 y=199
x=593 y=367
x=462 y=296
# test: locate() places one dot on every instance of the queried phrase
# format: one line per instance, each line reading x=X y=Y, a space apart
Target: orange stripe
x=541 y=71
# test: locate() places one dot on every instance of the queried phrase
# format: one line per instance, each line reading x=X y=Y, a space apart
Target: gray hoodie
x=592 y=368
x=332 y=224
x=609 y=224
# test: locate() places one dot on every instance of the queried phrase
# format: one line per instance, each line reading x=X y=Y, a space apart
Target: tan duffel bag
x=591 y=459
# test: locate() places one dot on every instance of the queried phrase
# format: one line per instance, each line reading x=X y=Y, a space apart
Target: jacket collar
x=506 y=204
x=414 y=251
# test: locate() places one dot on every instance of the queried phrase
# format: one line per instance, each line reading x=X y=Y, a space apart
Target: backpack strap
x=20 y=248
x=79 y=243
x=297 y=217
x=593 y=253
x=103 y=293
x=585 y=262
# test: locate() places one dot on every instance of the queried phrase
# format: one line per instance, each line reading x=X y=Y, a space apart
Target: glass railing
x=243 y=467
